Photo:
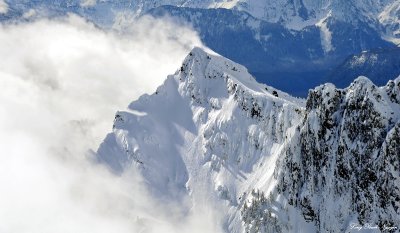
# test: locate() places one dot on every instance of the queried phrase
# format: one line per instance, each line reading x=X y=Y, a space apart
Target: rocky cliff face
x=344 y=164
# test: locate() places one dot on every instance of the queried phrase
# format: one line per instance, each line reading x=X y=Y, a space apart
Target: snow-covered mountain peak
x=362 y=81
x=362 y=86
x=206 y=71
x=381 y=97
x=210 y=127
x=199 y=66
x=362 y=91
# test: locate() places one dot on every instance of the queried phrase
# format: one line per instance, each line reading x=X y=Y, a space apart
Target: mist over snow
x=61 y=84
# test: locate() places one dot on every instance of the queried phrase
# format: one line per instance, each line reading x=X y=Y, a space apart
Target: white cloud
x=61 y=83
x=3 y=7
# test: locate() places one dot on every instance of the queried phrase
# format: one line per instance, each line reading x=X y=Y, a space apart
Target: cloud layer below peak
x=61 y=83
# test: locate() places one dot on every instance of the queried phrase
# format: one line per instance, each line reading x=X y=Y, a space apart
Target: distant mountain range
x=379 y=65
x=292 y=45
x=293 y=61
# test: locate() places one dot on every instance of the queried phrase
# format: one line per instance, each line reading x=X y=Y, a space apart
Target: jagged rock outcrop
x=343 y=164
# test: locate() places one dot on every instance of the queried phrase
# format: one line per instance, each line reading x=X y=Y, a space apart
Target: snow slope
x=273 y=163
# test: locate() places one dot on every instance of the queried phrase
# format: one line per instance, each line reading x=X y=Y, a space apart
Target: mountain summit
x=212 y=134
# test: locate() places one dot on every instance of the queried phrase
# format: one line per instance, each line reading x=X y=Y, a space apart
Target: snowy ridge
x=210 y=128
x=211 y=133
